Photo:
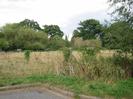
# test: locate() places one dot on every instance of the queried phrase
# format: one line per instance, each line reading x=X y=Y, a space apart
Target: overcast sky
x=65 y=13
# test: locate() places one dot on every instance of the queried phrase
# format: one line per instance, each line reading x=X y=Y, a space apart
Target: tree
x=124 y=12
x=10 y=32
x=53 y=30
x=124 y=9
x=4 y=44
x=67 y=41
x=119 y=36
x=29 y=39
x=13 y=37
x=30 y=24
x=56 y=43
x=88 y=29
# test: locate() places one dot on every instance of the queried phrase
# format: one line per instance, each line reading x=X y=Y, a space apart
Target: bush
x=34 y=46
x=23 y=38
x=91 y=67
x=56 y=43
x=67 y=52
x=4 y=45
x=27 y=55
x=124 y=62
x=119 y=35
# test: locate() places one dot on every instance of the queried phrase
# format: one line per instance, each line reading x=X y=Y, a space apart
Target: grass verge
x=117 y=90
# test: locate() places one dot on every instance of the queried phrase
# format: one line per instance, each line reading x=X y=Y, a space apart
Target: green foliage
x=124 y=10
x=27 y=55
x=4 y=44
x=56 y=43
x=35 y=46
x=125 y=62
x=67 y=52
x=99 y=68
x=89 y=52
x=88 y=29
x=29 y=24
x=119 y=36
x=68 y=44
x=92 y=67
x=67 y=67
x=23 y=38
x=53 y=30
x=117 y=90
x=27 y=35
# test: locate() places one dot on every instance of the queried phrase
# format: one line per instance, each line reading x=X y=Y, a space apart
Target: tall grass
x=81 y=72
x=13 y=64
x=27 y=55
x=91 y=67
x=83 y=64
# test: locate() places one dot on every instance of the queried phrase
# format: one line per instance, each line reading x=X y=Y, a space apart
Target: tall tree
x=88 y=29
x=124 y=12
x=13 y=36
x=30 y=24
x=124 y=9
x=119 y=36
x=53 y=30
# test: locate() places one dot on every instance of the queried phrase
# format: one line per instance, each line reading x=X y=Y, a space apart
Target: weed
x=27 y=55
x=67 y=52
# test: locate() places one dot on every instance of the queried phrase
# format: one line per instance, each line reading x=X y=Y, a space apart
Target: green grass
x=117 y=90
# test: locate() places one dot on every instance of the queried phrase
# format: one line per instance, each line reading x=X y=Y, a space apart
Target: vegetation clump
x=27 y=55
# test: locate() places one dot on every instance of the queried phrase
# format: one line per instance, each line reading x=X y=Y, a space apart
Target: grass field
x=45 y=67
x=14 y=63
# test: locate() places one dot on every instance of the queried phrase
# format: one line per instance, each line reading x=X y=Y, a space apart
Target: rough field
x=15 y=70
x=14 y=63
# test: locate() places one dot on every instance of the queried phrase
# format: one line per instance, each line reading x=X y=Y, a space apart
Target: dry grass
x=79 y=42
x=14 y=69
x=14 y=63
x=106 y=53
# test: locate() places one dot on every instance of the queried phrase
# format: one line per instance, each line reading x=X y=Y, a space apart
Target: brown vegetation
x=14 y=63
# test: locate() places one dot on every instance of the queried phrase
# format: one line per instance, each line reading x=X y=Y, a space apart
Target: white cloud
x=60 y=12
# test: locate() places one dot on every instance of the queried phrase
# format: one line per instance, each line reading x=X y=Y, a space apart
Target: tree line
x=28 y=35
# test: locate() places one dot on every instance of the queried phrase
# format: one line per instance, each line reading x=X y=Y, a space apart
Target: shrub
x=34 y=46
x=124 y=62
x=23 y=37
x=91 y=67
x=4 y=45
x=56 y=43
x=67 y=52
x=27 y=55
